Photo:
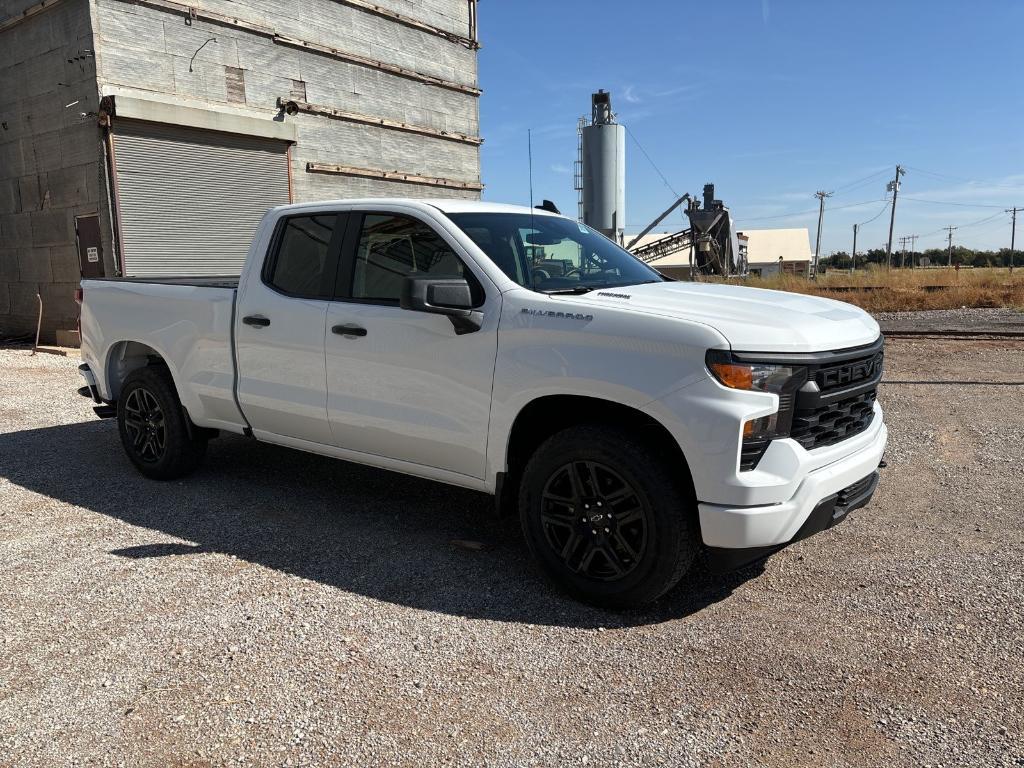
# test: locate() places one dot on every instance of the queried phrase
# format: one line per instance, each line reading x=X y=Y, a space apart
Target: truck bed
x=225 y=281
x=187 y=321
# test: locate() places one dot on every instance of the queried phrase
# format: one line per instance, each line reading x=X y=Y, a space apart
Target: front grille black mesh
x=833 y=423
x=751 y=452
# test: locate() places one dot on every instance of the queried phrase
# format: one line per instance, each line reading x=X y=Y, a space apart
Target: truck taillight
x=79 y=295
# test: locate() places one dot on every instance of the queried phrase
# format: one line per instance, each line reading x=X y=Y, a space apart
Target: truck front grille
x=849 y=373
x=833 y=423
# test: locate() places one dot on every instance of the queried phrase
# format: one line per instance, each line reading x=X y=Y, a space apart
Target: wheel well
x=545 y=416
x=125 y=357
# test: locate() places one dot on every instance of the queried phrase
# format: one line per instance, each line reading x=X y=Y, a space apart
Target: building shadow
x=380 y=534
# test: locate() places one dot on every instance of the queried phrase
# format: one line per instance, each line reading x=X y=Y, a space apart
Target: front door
x=401 y=384
x=279 y=330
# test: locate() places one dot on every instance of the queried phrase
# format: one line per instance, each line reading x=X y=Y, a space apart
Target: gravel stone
x=963 y=319
x=278 y=608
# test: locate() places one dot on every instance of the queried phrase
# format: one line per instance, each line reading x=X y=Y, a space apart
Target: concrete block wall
x=49 y=162
x=56 y=63
x=154 y=50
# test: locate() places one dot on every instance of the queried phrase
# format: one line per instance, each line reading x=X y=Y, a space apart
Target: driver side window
x=392 y=247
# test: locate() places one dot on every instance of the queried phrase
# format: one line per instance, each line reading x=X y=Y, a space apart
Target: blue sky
x=771 y=101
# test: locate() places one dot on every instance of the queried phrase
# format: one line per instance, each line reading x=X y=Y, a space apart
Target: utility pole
x=821 y=214
x=894 y=187
x=853 y=255
x=1013 y=234
x=950 y=230
x=913 y=247
x=903 y=251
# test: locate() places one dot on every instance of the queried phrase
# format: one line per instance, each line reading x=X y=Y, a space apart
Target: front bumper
x=773 y=525
x=829 y=511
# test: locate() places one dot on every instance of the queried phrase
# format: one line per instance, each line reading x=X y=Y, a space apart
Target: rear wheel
x=153 y=426
x=606 y=517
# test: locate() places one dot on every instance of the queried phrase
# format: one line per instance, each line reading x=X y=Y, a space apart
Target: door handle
x=259 y=321
x=348 y=330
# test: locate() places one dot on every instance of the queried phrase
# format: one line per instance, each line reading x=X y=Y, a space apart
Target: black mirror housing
x=450 y=296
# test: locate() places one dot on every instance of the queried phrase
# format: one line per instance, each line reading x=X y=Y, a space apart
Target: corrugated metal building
x=147 y=137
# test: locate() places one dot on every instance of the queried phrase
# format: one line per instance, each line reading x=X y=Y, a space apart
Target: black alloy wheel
x=594 y=520
x=144 y=423
x=609 y=514
x=155 y=431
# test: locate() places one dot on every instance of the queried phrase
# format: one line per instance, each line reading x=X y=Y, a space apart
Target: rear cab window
x=303 y=258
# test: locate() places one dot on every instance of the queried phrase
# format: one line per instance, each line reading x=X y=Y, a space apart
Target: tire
x=624 y=559
x=153 y=426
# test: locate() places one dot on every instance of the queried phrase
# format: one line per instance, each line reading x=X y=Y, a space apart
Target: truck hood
x=752 y=319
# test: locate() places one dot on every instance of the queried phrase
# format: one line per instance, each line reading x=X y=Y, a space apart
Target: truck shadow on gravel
x=379 y=534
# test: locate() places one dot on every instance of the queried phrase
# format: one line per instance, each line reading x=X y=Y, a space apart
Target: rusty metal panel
x=90 y=248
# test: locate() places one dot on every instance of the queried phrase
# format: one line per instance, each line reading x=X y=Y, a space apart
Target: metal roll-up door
x=190 y=199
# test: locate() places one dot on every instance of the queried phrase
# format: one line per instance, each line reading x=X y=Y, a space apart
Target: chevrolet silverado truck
x=634 y=422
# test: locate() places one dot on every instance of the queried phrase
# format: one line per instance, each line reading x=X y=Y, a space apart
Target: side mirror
x=450 y=296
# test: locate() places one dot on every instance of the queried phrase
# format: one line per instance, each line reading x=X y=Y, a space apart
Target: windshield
x=551 y=253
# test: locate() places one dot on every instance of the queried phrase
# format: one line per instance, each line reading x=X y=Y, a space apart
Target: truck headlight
x=780 y=380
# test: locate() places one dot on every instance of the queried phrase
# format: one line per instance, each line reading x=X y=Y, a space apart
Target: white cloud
x=630 y=95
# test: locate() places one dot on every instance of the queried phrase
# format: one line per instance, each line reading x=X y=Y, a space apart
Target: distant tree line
x=965 y=257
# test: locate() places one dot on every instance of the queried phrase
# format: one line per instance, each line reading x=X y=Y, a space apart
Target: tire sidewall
x=181 y=453
x=670 y=536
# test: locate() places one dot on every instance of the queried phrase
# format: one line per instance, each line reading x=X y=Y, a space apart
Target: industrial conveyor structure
x=711 y=238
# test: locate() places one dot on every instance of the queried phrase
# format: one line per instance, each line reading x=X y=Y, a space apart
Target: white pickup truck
x=632 y=420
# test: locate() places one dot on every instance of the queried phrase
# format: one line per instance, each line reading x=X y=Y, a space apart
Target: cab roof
x=444 y=205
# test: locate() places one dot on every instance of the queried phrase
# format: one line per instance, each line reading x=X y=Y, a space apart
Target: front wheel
x=607 y=518
x=153 y=426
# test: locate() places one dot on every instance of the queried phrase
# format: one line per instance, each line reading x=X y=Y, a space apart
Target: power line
x=968 y=224
x=965 y=180
x=649 y=160
x=961 y=205
x=808 y=211
x=982 y=221
x=876 y=215
x=860 y=182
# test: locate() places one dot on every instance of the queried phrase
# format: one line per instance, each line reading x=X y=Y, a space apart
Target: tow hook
x=883 y=464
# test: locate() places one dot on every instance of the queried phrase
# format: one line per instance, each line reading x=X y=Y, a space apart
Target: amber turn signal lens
x=748 y=429
x=735 y=376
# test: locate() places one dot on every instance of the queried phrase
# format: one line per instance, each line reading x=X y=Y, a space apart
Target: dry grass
x=903 y=290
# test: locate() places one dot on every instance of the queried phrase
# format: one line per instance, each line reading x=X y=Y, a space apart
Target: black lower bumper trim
x=828 y=512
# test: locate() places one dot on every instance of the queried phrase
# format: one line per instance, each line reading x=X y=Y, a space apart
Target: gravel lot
x=963 y=319
x=283 y=609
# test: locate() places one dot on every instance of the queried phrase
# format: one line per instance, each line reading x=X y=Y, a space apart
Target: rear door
x=401 y=384
x=280 y=322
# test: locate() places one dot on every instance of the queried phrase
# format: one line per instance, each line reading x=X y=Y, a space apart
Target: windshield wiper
x=642 y=282
x=574 y=291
